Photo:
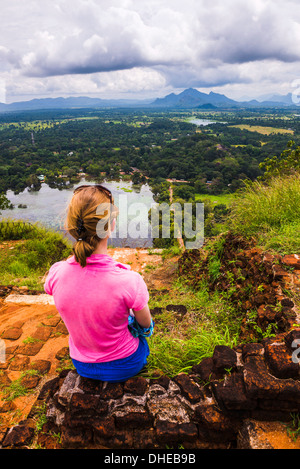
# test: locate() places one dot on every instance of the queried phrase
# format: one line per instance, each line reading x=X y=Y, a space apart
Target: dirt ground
x=157 y=273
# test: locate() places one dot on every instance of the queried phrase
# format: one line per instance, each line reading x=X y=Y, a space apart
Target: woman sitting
x=103 y=303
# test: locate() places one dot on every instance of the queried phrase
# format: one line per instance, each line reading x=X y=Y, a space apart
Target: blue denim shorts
x=116 y=370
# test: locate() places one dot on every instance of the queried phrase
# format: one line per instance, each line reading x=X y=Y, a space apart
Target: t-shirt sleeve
x=48 y=285
x=141 y=295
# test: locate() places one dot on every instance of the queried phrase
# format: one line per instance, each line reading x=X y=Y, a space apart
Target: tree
x=200 y=187
x=136 y=178
x=4 y=202
x=287 y=163
x=184 y=192
x=33 y=183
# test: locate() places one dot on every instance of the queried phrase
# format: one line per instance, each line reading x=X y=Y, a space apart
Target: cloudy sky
x=147 y=48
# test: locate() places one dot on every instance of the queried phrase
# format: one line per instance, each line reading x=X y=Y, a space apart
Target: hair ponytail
x=84 y=248
x=82 y=220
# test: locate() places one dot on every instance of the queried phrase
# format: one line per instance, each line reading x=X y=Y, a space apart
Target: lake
x=204 y=122
x=48 y=207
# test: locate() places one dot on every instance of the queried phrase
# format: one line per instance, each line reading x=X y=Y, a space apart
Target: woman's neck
x=101 y=248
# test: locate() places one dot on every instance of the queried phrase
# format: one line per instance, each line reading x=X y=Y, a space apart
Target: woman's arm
x=143 y=316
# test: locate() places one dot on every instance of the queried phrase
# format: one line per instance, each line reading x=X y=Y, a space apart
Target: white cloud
x=139 y=81
x=126 y=45
x=2 y=91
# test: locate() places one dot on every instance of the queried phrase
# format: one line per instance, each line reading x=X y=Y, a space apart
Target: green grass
x=262 y=129
x=40 y=416
x=171 y=251
x=271 y=213
x=25 y=262
x=15 y=389
x=225 y=199
x=178 y=343
x=293 y=427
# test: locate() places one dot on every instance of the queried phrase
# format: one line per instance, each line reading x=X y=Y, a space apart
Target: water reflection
x=48 y=207
x=204 y=122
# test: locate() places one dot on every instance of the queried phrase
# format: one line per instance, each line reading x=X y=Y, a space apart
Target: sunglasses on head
x=99 y=187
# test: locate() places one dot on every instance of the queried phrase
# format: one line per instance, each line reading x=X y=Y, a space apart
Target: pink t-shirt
x=94 y=304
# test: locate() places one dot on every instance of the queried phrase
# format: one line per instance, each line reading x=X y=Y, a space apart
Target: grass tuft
x=178 y=342
x=271 y=213
x=34 y=250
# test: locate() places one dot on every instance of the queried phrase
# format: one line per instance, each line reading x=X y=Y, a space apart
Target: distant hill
x=70 y=103
x=194 y=98
x=207 y=106
x=286 y=99
x=189 y=98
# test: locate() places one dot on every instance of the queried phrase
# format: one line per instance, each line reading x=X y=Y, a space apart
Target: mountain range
x=189 y=98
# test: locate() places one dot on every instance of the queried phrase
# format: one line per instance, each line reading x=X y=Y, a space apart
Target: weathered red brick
x=292 y=260
x=90 y=386
x=30 y=381
x=14 y=333
x=78 y=437
x=61 y=329
x=83 y=402
x=205 y=370
x=279 y=360
x=215 y=425
x=132 y=419
x=260 y=384
x=189 y=389
x=103 y=428
x=30 y=349
x=167 y=432
x=231 y=393
x=19 y=363
x=42 y=333
x=41 y=366
x=137 y=385
x=20 y=435
x=224 y=358
x=112 y=391
x=187 y=432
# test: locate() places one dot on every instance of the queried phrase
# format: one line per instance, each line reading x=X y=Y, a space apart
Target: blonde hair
x=83 y=217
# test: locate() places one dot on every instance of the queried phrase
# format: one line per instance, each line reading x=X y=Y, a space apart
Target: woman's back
x=94 y=303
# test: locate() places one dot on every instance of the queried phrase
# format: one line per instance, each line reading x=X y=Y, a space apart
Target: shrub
x=16 y=229
x=45 y=249
x=30 y=258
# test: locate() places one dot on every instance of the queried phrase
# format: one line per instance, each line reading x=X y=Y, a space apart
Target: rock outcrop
x=210 y=407
x=260 y=284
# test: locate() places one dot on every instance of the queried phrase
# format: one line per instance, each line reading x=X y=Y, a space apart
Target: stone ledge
x=42 y=299
x=152 y=413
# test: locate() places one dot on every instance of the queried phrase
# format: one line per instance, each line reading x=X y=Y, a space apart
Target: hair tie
x=80 y=228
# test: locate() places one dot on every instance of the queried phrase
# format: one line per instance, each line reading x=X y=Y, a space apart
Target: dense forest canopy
x=57 y=146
